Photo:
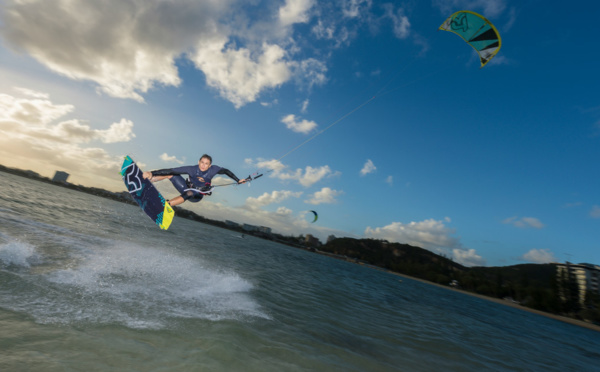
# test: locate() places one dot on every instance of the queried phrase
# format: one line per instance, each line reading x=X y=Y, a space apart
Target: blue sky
x=493 y=166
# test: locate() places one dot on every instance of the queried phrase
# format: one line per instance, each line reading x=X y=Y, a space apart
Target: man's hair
x=207 y=157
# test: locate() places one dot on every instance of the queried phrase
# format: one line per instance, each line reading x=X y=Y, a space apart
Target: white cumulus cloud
x=467 y=257
x=297 y=125
x=539 y=256
x=429 y=234
x=170 y=159
x=306 y=177
x=129 y=47
x=295 y=11
x=369 y=167
x=34 y=130
x=324 y=196
x=270 y=198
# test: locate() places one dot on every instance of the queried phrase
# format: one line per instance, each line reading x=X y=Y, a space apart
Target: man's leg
x=186 y=193
x=176 y=201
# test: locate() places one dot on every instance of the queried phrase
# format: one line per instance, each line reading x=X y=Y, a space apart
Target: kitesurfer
x=198 y=183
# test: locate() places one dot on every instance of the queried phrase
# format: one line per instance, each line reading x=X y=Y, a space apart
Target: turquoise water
x=89 y=284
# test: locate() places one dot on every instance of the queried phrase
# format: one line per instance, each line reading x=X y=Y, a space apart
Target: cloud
x=489 y=8
x=389 y=180
x=129 y=48
x=33 y=118
x=76 y=131
x=266 y=198
x=310 y=72
x=429 y=234
x=298 y=126
x=170 y=159
x=354 y=8
x=37 y=111
x=282 y=219
x=240 y=74
x=467 y=257
x=126 y=47
x=524 y=222
x=306 y=177
x=272 y=165
x=539 y=256
x=304 y=108
x=369 y=167
x=32 y=135
x=295 y=11
x=401 y=24
x=325 y=196
x=32 y=93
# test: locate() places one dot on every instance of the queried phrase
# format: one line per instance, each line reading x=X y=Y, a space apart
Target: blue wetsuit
x=190 y=188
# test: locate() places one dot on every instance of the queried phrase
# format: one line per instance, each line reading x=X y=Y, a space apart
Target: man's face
x=204 y=164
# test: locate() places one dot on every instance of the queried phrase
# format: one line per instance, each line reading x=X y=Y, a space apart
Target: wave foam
x=16 y=253
x=144 y=286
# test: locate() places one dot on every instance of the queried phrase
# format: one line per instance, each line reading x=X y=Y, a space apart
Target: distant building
x=312 y=241
x=587 y=277
x=264 y=229
x=250 y=228
x=231 y=223
x=261 y=229
x=60 y=176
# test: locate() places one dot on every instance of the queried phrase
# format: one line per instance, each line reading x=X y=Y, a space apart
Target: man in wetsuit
x=198 y=182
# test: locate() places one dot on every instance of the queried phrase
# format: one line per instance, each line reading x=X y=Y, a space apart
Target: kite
x=316 y=216
x=477 y=31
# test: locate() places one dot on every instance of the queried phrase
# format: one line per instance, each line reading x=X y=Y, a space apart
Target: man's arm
x=230 y=174
x=167 y=172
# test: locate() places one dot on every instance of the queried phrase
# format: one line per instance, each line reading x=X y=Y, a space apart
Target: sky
x=358 y=109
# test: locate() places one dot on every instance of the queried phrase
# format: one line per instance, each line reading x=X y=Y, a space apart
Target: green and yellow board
x=146 y=195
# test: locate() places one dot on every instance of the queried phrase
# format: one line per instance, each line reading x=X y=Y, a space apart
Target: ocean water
x=90 y=284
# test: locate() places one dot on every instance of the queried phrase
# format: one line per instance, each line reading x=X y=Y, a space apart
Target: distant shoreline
x=500 y=301
x=565 y=319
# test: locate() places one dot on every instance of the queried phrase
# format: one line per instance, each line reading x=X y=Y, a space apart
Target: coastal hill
x=536 y=286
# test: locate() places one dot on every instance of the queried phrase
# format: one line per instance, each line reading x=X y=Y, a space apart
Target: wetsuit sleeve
x=171 y=171
x=229 y=174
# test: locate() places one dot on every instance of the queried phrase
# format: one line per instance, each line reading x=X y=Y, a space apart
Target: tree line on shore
x=537 y=286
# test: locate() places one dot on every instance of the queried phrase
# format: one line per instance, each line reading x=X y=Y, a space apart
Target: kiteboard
x=146 y=195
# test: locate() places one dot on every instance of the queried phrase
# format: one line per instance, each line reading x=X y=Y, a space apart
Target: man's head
x=204 y=162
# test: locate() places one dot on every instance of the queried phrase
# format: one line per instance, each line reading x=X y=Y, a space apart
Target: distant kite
x=316 y=216
x=477 y=31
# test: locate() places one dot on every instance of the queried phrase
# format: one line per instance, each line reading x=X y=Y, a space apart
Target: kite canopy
x=316 y=216
x=477 y=31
